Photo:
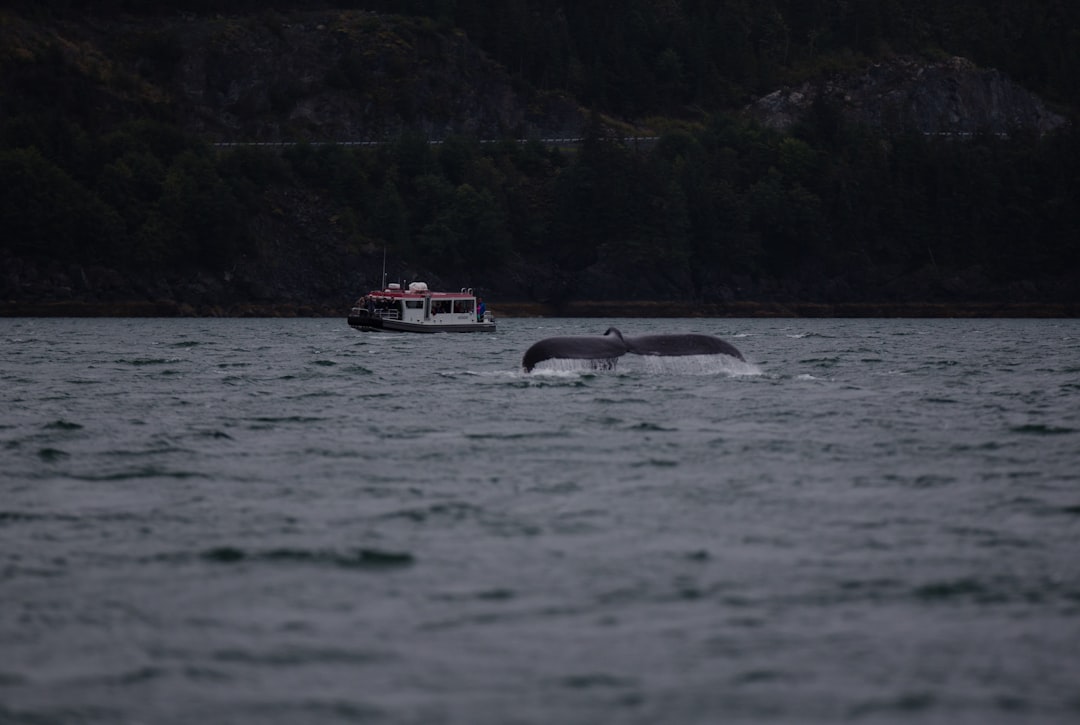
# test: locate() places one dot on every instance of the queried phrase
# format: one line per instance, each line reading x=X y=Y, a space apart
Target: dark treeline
x=641 y=57
x=638 y=56
x=841 y=216
x=719 y=209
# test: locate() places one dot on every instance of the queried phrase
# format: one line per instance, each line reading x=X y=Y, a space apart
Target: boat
x=418 y=309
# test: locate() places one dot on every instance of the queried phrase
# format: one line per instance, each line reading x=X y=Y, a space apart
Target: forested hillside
x=114 y=192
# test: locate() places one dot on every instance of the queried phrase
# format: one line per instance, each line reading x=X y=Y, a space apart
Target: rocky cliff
x=349 y=76
x=354 y=75
x=302 y=76
x=905 y=94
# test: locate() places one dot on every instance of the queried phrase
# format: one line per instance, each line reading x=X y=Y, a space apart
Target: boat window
x=440 y=307
x=414 y=304
x=463 y=306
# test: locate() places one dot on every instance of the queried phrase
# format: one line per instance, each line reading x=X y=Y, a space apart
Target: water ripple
x=283 y=521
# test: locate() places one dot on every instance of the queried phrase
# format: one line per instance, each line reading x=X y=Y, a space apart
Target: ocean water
x=288 y=521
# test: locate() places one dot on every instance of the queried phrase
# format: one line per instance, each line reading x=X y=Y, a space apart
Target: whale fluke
x=579 y=347
x=689 y=344
x=613 y=345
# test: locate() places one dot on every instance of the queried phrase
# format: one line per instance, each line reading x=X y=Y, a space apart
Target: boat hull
x=367 y=323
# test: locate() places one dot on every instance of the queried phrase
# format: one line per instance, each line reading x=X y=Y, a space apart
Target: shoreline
x=582 y=309
x=793 y=309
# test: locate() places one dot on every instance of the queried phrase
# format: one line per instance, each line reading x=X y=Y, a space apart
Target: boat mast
x=383 y=267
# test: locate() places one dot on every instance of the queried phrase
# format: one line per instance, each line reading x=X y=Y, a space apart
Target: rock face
x=903 y=95
x=354 y=76
x=348 y=76
x=328 y=75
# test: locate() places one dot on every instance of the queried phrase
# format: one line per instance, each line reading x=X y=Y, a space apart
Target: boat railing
x=383 y=314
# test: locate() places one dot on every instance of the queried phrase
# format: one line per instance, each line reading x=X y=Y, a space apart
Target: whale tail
x=688 y=344
x=607 y=348
x=613 y=345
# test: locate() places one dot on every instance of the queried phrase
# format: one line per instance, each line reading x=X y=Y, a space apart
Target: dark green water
x=287 y=521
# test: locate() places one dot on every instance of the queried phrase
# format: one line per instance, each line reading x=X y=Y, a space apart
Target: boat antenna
x=384 y=266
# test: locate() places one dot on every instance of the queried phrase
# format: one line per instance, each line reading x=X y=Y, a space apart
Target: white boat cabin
x=417 y=305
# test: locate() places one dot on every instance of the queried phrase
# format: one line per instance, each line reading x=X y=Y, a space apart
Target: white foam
x=653 y=365
x=692 y=365
x=567 y=368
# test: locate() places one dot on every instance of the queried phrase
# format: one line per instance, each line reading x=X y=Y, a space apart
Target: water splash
x=652 y=365
x=693 y=365
x=556 y=366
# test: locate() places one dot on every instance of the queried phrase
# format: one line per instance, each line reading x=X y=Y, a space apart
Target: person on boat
x=481 y=308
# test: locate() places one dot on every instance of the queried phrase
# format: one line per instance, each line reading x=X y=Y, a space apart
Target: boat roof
x=420 y=294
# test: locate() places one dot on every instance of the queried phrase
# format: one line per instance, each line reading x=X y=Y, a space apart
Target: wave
x=145 y=361
x=356 y=559
x=1041 y=429
x=62 y=425
x=651 y=365
x=137 y=473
